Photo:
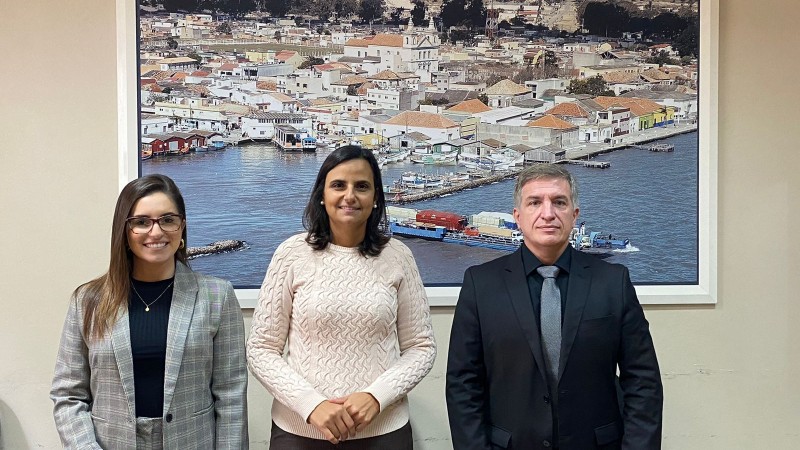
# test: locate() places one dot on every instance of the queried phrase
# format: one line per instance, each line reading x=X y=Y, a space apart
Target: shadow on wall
x=10 y=428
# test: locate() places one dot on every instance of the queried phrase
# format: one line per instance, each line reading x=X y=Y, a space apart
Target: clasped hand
x=340 y=418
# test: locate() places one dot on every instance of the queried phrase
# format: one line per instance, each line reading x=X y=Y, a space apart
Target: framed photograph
x=647 y=177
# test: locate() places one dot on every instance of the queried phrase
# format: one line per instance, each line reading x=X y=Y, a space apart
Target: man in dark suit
x=514 y=381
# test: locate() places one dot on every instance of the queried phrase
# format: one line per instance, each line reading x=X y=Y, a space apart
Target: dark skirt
x=400 y=439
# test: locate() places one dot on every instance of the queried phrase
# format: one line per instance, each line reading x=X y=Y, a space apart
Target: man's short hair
x=545 y=171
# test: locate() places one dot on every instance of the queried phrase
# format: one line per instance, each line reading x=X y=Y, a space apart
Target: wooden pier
x=433 y=193
x=591 y=164
x=656 y=147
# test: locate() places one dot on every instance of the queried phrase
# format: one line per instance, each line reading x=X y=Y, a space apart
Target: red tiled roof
x=506 y=87
x=550 y=121
x=422 y=120
x=267 y=85
x=385 y=75
x=470 y=106
x=568 y=109
x=382 y=39
x=638 y=106
x=284 y=55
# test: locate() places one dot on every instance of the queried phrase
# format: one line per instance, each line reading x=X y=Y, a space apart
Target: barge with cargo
x=493 y=230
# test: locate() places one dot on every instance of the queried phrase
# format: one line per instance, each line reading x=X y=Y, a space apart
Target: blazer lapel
x=580 y=279
x=121 y=342
x=180 y=317
x=517 y=286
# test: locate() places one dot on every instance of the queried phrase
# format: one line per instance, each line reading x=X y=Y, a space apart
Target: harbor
x=256 y=193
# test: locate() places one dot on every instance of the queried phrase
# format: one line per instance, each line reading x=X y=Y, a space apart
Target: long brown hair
x=104 y=296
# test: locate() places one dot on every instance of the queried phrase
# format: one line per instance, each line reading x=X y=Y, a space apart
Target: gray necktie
x=550 y=320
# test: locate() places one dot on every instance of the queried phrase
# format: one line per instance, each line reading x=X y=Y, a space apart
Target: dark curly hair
x=315 y=217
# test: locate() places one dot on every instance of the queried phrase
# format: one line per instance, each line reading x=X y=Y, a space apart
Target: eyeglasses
x=143 y=225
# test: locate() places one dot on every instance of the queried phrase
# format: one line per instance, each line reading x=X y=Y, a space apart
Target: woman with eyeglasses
x=346 y=307
x=152 y=354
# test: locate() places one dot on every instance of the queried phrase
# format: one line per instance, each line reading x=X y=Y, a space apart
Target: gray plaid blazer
x=205 y=380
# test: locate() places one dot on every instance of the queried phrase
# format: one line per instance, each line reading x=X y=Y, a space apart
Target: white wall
x=731 y=371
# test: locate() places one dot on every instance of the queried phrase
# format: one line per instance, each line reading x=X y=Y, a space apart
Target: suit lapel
x=580 y=279
x=121 y=342
x=517 y=286
x=180 y=317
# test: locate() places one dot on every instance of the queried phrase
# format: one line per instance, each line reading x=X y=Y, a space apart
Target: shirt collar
x=530 y=262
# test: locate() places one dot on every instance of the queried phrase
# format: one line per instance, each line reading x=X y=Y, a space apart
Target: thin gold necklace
x=147 y=305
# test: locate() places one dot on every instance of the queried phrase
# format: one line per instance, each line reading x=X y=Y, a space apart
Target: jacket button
x=168 y=418
x=547 y=399
x=546 y=443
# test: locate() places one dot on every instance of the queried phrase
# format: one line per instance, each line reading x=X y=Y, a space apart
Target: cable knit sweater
x=346 y=323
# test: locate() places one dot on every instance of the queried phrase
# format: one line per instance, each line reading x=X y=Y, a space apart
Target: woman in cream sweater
x=346 y=306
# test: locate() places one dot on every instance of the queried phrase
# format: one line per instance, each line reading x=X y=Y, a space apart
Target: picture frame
x=702 y=293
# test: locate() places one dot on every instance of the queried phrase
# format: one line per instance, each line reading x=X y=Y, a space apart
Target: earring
x=374 y=206
x=183 y=244
x=322 y=202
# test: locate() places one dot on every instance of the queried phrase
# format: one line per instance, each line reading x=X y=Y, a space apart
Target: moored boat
x=418 y=230
x=580 y=239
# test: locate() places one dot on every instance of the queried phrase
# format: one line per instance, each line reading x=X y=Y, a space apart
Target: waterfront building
x=684 y=104
x=409 y=141
x=196 y=113
x=545 y=154
x=649 y=113
x=153 y=123
x=261 y=125
x=436 y=126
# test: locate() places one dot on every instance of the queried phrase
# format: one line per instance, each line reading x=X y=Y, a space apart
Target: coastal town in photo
x=241 y=102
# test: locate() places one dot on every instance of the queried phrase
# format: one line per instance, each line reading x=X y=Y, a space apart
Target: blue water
x=257 y=194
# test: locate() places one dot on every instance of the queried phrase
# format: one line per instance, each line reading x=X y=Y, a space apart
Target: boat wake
x=628 y=249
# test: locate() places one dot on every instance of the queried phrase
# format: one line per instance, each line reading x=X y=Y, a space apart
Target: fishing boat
x=147 y=154
x=397 y=156
x=309 y=144
x=435 y=159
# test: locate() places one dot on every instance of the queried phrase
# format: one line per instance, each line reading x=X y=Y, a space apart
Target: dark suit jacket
x=497 y=394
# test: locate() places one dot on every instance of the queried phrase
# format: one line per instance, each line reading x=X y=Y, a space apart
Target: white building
x=261 y=125
x=408 y=52
x=301 y=84
x=152 y=123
